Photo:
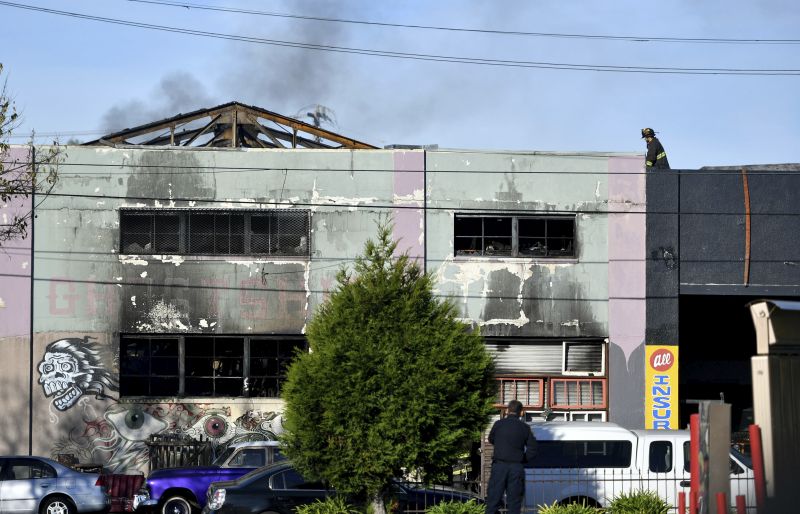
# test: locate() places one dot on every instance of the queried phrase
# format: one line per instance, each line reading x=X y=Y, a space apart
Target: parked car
x=279 y=488
x=37 y=484
x=183 y=490
x=597 y=461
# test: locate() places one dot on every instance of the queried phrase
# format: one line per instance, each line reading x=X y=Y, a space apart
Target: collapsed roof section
x=231 y=125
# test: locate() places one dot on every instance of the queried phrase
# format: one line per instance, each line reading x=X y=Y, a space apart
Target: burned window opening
x=515 y=236
x=205 y=366
x=275 y=233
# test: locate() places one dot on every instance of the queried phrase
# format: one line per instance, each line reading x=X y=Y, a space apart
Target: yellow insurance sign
x=661 y=387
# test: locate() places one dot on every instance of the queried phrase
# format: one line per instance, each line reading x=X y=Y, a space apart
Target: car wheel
x=57 y=505
x=176 y=505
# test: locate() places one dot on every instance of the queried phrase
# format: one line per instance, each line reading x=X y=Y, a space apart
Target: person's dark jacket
x=656 y=156
x=513 y=441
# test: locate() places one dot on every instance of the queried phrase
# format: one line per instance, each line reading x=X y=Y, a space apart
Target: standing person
x=514 y=445
x=656 y=156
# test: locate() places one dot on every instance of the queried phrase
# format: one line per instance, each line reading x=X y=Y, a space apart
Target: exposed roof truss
x=231 y=125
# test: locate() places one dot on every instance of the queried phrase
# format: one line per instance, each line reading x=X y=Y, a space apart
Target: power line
x=149 y=284
x=633 y=39
x=74 y=256
x=500 y=211
x=421 y=57
x=199 y=169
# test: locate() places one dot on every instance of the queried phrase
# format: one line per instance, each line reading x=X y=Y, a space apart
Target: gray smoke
x=284 y=79
x=177 y=92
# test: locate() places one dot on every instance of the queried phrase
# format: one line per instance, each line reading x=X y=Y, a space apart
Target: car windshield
x=744 y=459
x=220 y=460
x=258 y=472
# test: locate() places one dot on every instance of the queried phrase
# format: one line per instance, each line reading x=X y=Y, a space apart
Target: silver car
x=35 y=484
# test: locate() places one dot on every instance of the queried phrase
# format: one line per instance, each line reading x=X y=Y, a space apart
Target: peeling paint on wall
x=164 y=317
x=134 y=260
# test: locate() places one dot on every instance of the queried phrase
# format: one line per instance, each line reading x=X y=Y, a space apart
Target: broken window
x=148 y=366
x=269 y=360
x=515 y=236
x=149 y=232
x=281 y=233
x=214 y=366
x=205 y=366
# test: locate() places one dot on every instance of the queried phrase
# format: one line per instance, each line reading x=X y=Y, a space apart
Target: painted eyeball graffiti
x=135 y=424
x=215 y=427
x=212 y=426
x=134 y=419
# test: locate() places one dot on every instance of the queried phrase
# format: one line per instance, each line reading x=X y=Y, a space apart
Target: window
x=278 y=233
x=149 y=366
x=515 y=236
x=205 y=366
x=291 y=479
x=660 y=458
x=248 y=458
x=578 y=393
x=214 y=366
x=583 y=454
x=28 y=469
x=526 y=390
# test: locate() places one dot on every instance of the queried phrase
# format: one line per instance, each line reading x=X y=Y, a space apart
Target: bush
x=639 y=502
x=334 y=505
x=571 y=508
x=454 y=507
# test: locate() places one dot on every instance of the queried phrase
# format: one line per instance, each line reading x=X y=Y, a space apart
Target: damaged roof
x=231 y=125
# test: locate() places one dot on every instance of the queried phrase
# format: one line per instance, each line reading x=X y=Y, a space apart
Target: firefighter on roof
x=656 y=155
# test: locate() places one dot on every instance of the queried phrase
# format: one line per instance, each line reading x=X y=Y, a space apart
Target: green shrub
x=571 y=508
x=334 y=505
x=454 y=507
x=639 y=502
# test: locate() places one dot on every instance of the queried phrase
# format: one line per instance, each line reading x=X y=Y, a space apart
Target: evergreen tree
x=394 y=382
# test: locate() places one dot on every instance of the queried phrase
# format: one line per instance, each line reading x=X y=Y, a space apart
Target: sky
x=82 y=78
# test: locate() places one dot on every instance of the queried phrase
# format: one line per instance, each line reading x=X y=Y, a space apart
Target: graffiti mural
x=72 y=368
x=119 y=438
x=116 y=433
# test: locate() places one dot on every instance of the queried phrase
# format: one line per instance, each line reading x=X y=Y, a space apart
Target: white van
x=597 y=461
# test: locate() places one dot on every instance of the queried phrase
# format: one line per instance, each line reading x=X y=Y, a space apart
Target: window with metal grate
x=279 y=233
x=515 y=236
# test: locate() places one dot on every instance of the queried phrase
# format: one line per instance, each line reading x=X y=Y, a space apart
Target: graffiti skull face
x=61 y=376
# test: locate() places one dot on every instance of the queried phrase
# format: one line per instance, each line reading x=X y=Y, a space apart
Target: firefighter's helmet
x=648 y=132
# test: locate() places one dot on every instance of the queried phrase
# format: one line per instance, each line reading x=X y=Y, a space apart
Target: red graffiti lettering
x=252 y=301
x=62 y=304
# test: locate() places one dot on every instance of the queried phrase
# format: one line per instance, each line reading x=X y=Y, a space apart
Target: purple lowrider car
x=183 y=490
